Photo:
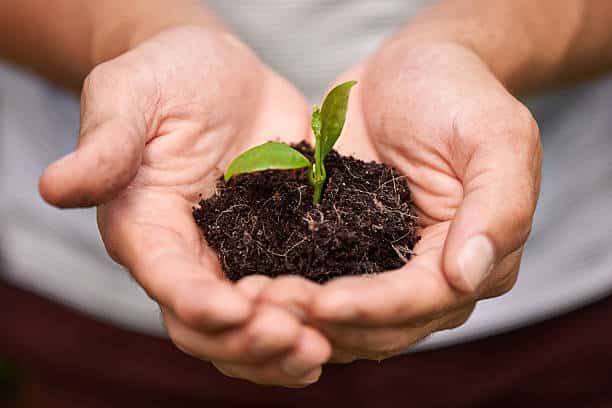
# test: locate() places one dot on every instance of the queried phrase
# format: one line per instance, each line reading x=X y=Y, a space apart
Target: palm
x=425 y=123
x=159 y=124
x=371 y=311
x=446 y=133
x=466 y=146
x=203 y=115
x=418 y=151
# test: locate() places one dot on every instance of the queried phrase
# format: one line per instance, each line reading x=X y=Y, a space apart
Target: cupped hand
x=158 y=125
x=471 y=155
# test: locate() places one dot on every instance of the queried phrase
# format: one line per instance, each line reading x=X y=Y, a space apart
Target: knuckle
x=274 y=294
x=518 y=125
x=523 y=135
x=458 y=319
x=187 y=312
x=502 y=119
x=93 y=79
x=179 y=341
x=518 y=213
x=121 y=88
x=524 y=123
x=522 y=216
x=504 y=286
x=505 y=280
x=100 y=79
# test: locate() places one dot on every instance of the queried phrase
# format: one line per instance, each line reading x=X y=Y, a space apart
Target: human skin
x=163 y=110
x=436 y=102
x=151 y=140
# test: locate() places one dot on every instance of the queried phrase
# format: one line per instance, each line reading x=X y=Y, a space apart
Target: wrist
x=507 y=62
x=117 y=30
x=417 y=59
x=503 y=34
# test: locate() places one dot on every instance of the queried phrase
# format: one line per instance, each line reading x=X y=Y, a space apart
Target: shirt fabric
x=58 y=254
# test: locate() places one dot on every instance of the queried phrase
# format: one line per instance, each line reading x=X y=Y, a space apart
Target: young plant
x=327 y=123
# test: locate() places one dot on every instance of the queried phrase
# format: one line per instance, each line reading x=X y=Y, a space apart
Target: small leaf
x=333 y=115
x=267 y=156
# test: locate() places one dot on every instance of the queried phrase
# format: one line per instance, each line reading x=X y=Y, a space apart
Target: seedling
x=327 y=123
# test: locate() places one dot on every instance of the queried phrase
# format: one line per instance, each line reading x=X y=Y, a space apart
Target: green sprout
x=327 y=123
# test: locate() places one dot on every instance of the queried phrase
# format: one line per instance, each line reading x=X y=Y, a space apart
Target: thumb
x=501 y=186
x=109 y=152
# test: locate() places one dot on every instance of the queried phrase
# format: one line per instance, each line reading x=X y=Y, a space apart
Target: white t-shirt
x=58 y=254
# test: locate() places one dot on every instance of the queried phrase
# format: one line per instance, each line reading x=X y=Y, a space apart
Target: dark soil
x=266 y=223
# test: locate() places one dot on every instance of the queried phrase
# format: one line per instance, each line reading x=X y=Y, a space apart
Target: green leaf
x=316 y=122
x=267 y=156
x=333 y=115
x=316 y=130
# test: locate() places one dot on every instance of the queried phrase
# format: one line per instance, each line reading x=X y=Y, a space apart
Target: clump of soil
x=266 y=223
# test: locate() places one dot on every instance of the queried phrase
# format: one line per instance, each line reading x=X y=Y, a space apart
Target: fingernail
x=476 y=260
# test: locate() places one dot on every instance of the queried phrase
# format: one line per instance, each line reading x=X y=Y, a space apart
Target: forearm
x=64 y=39
x=528 y=44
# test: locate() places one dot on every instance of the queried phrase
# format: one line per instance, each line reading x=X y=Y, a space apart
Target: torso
x=59 y=255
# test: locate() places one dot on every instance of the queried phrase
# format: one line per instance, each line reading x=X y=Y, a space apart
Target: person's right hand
x=158 y=123
x=472 y=156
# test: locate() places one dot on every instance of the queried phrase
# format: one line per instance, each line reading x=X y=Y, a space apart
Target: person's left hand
x=158 y=123
x=471 y=155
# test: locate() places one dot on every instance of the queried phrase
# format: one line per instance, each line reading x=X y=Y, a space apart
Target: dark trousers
x=68 y=360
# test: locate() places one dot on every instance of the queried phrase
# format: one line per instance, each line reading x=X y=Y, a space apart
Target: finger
x=267 y=375
x=302 y=366
x=340 y=356
x=382 y=343
x=411 y=294
x=153 y=235
x=114 y=130
x=271 y=332
x=311 y=351
x=374 y=343
x=251 y=286
x=292 y=293
x=501 y=185
x=503 y=277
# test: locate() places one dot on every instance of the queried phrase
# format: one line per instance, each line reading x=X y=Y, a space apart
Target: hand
x=158 y=124
x=472 y=157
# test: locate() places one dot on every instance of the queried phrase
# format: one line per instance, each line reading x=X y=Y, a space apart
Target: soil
x=266 y=223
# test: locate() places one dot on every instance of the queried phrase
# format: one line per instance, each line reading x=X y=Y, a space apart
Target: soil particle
x=266 y=223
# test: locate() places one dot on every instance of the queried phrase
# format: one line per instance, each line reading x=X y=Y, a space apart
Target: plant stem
x=318 y=189
x=317 y=180
x=317 y=173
